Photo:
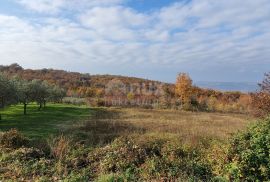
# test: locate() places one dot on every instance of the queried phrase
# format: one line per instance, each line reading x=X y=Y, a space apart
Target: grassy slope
x=42 y=123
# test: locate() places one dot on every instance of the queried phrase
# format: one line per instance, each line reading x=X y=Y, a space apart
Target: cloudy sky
x=212 y=40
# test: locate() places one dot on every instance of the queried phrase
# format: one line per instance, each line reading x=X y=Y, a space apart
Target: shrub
x=59 y=147
x=96 y=102
x=249 y=154
x=260 y=104
x=23 y=164
x=74 y=101
x=13 y=139
x=149 y=160
x=110 y=178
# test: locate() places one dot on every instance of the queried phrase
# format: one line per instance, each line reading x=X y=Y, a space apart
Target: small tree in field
x=8 y=92
x=25 y=93
x=184 y=88
x=56 y=94
x=40 y=92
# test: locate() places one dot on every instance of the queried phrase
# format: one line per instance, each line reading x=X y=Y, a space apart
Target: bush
x=96 y=102
x=65 y=162
x=249 y=154
x=260 y=104
x=13 y=139
x=150 y=160
x=74 y=101
x=135 y=158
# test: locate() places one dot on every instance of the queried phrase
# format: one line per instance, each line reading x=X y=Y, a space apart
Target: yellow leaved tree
x=184 y=88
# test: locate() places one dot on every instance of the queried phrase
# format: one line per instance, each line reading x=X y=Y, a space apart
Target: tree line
x=181 y=95
x=18 y=91
x=256 y=103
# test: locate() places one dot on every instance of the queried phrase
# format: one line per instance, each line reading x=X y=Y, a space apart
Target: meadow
x=108 y=123
x=41 y=124
x=80 y=143
x=188 y=127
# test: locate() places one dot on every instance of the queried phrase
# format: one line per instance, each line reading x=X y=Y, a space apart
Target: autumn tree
x=184 y=88
x=130 y=97
x=8 y=92
x=261 y=100
x=166 y=97
x=265 y=85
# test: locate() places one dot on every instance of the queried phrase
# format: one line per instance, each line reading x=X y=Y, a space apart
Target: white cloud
x=48 y=6
x=202 y=32
x=114 y=23
x=54 y=6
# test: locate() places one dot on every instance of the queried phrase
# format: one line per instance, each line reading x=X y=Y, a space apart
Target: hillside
x=74 y=81
x=66 y=78
x=104 y=86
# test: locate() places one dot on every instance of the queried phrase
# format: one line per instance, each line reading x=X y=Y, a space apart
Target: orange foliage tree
x=184 y=88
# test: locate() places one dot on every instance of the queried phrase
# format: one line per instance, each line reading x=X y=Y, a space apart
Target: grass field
x=102 y=125
x=42 y=123
x=190 y=127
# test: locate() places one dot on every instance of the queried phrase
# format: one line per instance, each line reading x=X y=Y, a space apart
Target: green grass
x=42 y=123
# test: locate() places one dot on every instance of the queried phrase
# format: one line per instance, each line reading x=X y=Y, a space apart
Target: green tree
x=40 y=92
x=25 y=93
x=8 y=92
x=56 y=94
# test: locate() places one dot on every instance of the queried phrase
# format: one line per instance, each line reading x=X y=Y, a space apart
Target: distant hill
x=229 y=86
x=81 y=83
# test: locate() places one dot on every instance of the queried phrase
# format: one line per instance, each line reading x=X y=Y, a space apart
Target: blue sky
x=224 y=40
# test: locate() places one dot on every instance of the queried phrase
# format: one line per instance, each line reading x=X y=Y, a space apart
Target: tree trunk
x=24 y=109
x=44 y=103
x=40 y=106
x=0 y=116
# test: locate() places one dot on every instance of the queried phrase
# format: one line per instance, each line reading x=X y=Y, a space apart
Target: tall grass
x=189 y=127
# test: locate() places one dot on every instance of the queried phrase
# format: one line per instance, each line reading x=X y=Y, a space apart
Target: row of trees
x=15 y=90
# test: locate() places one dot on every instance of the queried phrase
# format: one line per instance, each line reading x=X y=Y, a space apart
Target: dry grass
x=186 y=124
x=190 y=127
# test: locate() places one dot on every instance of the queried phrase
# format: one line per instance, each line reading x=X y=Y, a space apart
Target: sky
x=212 y=40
